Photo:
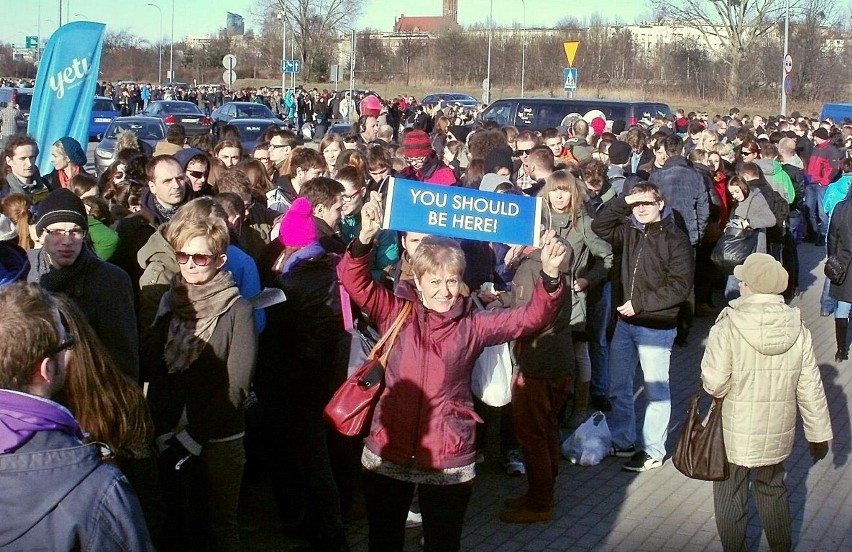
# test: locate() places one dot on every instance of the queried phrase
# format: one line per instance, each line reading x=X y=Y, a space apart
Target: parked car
x=450 y=98
x=252 y=130
x=542 y=113
x=149 y=130
x=104 y=111
x=241 y=110
x=188 y=114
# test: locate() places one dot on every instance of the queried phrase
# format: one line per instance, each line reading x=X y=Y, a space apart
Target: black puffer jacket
x=656 y=267
x=301 y=353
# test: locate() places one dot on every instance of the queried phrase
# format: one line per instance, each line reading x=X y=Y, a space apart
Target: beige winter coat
x=760 y=357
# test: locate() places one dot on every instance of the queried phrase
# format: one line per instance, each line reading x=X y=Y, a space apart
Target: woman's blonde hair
x=201 y=217
x=109 y=406
x=565 y=181
x=17 y=208
x=438 y=254
x=704 y=136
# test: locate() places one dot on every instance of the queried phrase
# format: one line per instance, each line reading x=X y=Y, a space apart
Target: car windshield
x=104 y=105
x=251 y=133
x=142 y=130
x=254 y=111
x=181 y=108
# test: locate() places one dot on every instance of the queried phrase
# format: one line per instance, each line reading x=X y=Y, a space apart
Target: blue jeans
x=814 y=194
x=826 y=303
x=597 y=317
x=732 y=288
x=843 y=309
x=650 y=348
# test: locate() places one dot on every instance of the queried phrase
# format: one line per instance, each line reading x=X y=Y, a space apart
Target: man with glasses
x=261 y=153
x=524 y=144
x=281 y=144
x=57 y=492
x=66 y=264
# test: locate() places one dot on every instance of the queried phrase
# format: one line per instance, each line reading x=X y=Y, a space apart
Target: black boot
x=841 y=325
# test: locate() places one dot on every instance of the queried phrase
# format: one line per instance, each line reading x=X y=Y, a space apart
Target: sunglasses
x=277 y=146
x=64 y=345
x=195 y=174
x=643 y=204
x=522 y=152
x=198 y=259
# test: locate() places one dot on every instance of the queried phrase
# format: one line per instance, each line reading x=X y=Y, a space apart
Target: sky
x=194 y=17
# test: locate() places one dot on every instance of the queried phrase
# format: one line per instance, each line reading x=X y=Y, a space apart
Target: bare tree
x=316 y=23
x=411 y=46
x=736 y=24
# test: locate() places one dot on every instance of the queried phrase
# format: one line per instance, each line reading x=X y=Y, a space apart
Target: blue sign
x=462 y=213
x=65 y=84
x=788 y=84
x=569 y=79
x=291 y=65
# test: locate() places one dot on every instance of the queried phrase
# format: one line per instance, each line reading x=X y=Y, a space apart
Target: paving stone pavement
x=603 y=508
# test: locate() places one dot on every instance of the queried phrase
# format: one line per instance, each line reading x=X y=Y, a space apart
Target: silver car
x=149 y=130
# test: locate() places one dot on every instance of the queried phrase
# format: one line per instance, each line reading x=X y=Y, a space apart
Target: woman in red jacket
x=423 y=428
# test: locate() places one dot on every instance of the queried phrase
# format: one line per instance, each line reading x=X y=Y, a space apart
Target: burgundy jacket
x=425 y=415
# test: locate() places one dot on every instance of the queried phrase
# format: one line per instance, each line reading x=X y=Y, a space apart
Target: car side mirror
x=99 y=137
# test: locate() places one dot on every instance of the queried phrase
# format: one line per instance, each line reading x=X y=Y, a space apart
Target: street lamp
x=172 y=47
x=160 y=45
x=487 y=86
x=283 y=17
x=784 y=70
x=523 y=47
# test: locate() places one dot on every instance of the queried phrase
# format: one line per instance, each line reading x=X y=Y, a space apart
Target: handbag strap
x=390 y=335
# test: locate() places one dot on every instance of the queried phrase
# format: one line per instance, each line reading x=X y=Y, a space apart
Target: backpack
x=781 y=210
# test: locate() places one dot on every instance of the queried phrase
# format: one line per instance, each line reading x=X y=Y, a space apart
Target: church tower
x=451 y=10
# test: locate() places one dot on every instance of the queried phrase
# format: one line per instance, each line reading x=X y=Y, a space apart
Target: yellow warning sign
x=571 y=50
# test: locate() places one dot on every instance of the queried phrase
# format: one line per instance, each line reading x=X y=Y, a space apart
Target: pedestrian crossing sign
x=569 y=78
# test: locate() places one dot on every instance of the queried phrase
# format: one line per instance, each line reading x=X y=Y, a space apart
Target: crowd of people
x=159 y=273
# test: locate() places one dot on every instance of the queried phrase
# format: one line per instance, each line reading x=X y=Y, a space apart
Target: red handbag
x=350 y=409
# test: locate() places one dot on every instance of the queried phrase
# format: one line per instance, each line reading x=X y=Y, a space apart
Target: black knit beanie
x=61 y=205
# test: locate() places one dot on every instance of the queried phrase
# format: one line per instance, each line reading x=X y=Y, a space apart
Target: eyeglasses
x=419 y=158
x=643 y=204
x=64 y=345
x=522 y=152
x=195 y=174
x=74 y=233
x=198 y=259
x=263 y=159
x=277 y=146
x=351 y=197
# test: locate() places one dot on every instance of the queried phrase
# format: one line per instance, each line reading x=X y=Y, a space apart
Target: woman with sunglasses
x=201 y=352
x=196 y=167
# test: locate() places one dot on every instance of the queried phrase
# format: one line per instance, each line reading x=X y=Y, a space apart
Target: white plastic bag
x=590 y=443
x=492 y=376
